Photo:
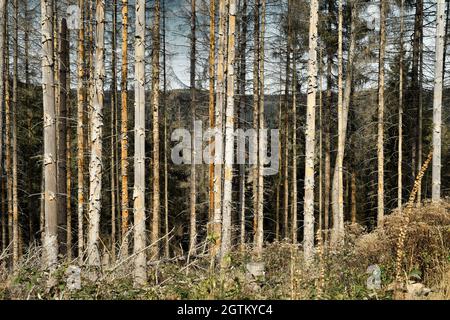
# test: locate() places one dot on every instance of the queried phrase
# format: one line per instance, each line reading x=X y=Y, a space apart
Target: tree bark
x=308 y=228
x=124 y=131
x=242 y=112
x=166 y=170
x=62 y=134
x=437 y=103
x=140 y=275
x=48 y=89
x=81 y=94
x=380 y=142
x=218 y=141
x=113 y=130
x=400 y=114
x=212 y=67
x=155 y=111
x=261 y=139
x=256 y=98
x=229 y=136
x=343 y=109
x=96 y=163
x=193 y=178
x=16 y=232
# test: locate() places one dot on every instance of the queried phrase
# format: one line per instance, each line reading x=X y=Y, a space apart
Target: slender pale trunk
x=286 y=126
x=229 y=136
x=380 y=142
x=96 y=163
x=166 y=168
x=69 y=237
x=320 y=140
x=294 y=213
x=81 y=94
x=343 y=109
x=16 y=232
x=308 y=228
x=113 y=130
x=242 y=118
x=66 y=130
x=193 y=178
x=218 y=141
x=48 y=89
x=437 y=102
x=155 y=112
x=212 y=122
x=420 y=120
x=279 y=176
x=353 y=196
x=261 y=137
x=415 y=86
x=400 y=115
x=338 y=180
x=140 y=275
x=8 y=164
x=62 y=133
x=256 y=98
x=124 y=130
x=327 y=165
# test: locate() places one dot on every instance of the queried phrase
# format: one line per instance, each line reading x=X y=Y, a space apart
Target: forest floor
x=335 y=274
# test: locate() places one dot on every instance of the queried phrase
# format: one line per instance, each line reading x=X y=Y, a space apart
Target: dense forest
x=224 y=149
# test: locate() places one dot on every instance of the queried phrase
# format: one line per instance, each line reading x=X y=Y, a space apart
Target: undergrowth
x=343 y=269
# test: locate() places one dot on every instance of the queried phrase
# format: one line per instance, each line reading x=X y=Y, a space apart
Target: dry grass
x=337 y=274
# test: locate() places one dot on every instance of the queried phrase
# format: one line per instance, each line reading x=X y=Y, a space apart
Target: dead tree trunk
x=96 y=163
x=48 y=88
x=140 y=276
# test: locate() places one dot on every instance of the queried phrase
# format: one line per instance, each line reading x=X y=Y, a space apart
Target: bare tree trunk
x=193 y=178
x=62 y=134
x=242 y=113
x=113 y=130
x=124 y=130
x=50 y=188
x=16 y=232
x=256 y=98
x=166 y=170
x=81 y=94
x=343 y=109
x=69 y=237
x=8 y=164
x=218 y=154
x=437 y=102
x=294 y=150
x=140 y=275
x=155 y=111
x=420 y=121
x=96 y=164
x=380 y=143
x=353 y=196
x=415 y=86
x=261 y=139
x=212 y=71
x=327 y=165
x=286 y=125
x=229 y=136
x=320 y=70
x=308 y=228
x=400 y=115
x=338 y=184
